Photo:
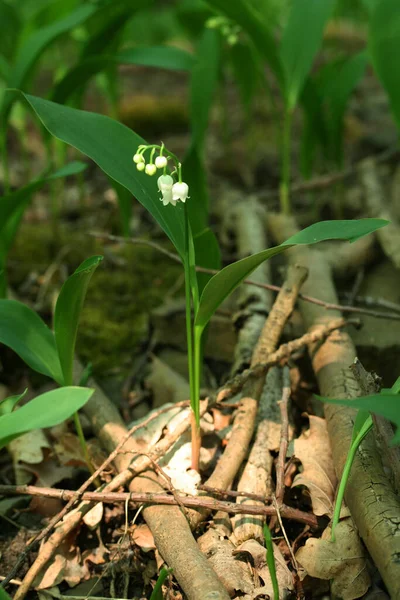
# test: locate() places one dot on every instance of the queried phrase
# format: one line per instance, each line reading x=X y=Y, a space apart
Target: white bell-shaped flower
x=150 y=169
x=161 y=162
x=165 y=184
x=180 y=191
x=138 y=158
x=140 y=166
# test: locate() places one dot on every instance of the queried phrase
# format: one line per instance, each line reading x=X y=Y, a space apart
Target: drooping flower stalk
x=173 y=192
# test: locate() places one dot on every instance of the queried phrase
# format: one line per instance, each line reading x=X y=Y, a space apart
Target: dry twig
x=138 y=498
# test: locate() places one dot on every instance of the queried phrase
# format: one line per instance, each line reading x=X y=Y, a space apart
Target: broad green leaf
x=396 y=386
x=314 y=128
x=68 y=311
x=4 y=69
x=107 y=25
x=349 y=231
x=384 y=404
x=300 y=43
x=223 y=283
x=195 y=175
x=203 y=84
x=339 y=81
x=161 y=57
x=7 y=405
x=35 y=46
x=10 y=27
x=205 y=243
x=46 y=410
x=242 y=13
x=111 y=145
x=166 y=57
x=383 y=45
x=246 y=71
x=208 y=255
x=22 y=330
x=4 y=595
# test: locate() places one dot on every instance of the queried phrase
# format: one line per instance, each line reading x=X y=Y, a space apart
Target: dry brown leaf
x=69 y=450
x=234 y=573
x=143 y=538
x=259 y=560
x=342 y=561
x=61 y=569
x=313 y=449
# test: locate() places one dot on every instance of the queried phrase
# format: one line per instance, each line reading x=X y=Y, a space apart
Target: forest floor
x=268 y=443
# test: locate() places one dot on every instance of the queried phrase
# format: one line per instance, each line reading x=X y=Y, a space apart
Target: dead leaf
x=93 y=518
x=342 y=561
x=69 y=451
x=62 y=568
x=53 y=575
x=28 y=449
x=234 y=573
x=143 y=538
x=259 y=560
x=313 y=449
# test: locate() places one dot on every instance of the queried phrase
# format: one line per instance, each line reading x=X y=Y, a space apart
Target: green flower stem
x=78 y=425
x=285 y=174
x=193 y=384
x=198 y=331
x=157 y=590
x=346 y=472
x=82 y=441
x=271 y=561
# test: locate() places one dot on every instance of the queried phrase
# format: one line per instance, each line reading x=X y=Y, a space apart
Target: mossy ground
x=128 y=284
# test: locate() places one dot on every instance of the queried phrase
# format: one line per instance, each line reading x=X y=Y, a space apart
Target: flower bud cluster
x=228 y=29
x=171 y=192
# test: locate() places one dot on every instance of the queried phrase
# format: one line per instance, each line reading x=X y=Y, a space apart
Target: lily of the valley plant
x=174 y=190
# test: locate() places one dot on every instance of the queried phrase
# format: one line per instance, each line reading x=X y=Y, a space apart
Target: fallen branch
x=266 y=388
x=234 y=385
x=139 y=499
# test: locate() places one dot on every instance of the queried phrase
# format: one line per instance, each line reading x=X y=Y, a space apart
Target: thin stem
x=82 y=441
x=197 y=372
x=157 y=590
x=346 y=472
x=271 y=561
x=285 y=173
x=189 y=337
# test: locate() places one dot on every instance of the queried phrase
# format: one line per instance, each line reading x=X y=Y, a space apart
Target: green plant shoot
x=386 y=403
x=157 y=591
x=271 y=560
